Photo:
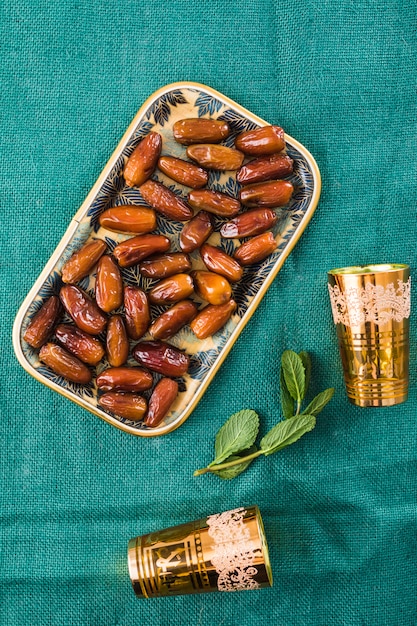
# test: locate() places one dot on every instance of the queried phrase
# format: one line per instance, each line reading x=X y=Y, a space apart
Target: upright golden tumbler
x=371 y=309
x=223 y=552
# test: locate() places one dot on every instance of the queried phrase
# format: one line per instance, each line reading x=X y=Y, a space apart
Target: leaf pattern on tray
x=207 y=104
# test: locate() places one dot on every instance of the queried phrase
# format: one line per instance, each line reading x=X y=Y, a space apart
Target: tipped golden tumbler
x=223 y=552
x=371 y=309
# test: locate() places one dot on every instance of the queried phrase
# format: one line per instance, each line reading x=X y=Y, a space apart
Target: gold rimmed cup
x=223 y=552
x=371 y=310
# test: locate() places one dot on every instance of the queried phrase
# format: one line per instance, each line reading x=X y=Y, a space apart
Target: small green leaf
x=306 y=359
x=319 y=402
x=237 y=434
x=286 y=433
x=287 y=403
x=232 y=472
x=294 y=374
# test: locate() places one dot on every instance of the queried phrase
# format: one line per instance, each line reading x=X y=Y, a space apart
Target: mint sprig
x=235 y=447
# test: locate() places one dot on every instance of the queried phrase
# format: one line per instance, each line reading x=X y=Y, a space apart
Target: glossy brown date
x=165 y=265
x=87 y=348
x=171 y=321
x=134 y=250
x=64 y=364
x=129 y=219
x=142 y=162
x=133 y=379
x=214 y=202
x=41 y=326
x=117 y=342
x=265 y=168
x=196 y=231
x=127 y=405
x=256 y=249
x=162 y=358
x=200 y=130
x=109 y=285
x=183 y=172
x=212 y=287
x=218 y=261
x=272 y=193
x=249 y=224
x=82 y=261
x=160 y=402
x=165 y=201
x=264 y=140
x=210 y=319
x=137 y=312
x=172 y=289
x=215 y=157
x=82 y=309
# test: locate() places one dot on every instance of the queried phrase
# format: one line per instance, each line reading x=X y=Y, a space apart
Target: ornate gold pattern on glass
x=225 y=552
x=371 y=309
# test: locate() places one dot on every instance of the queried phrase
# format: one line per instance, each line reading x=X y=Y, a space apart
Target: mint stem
x=221 y=466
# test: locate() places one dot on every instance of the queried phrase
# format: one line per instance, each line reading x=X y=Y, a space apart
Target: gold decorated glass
x=223 y=552
x=371 y=310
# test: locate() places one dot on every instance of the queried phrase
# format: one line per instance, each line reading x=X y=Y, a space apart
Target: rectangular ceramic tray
x=158 y=113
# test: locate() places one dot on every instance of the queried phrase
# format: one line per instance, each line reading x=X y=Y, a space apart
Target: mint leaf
x=237 y=434
x=294 y=374
x=306 y=359
x=287 y=403
x=286 y=432
x=232 y=472
x=319 y=402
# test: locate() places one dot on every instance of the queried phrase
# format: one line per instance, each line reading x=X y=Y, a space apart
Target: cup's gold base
x=377 y=392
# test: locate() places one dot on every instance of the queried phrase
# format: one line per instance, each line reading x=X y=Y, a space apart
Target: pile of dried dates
x=76 y=347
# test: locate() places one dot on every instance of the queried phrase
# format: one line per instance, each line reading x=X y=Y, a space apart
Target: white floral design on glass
x=374 y=304
x=234 y=553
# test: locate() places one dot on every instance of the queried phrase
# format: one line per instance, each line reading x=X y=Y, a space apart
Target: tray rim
x=75 y=222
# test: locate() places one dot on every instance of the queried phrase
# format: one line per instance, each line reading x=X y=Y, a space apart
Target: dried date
x=132 y=379
x=212 y=318
x=134 y=250
x=137 y=312
x=117 y=342
x=196 y=231
x=82 y=261
x=183 y=172
x=160 y=402
x=162 y=358
x=142 y=162
x=129 y=219
x=218 y=261
x=64 y=364
x=172 y=289
x=262 y=141
x=256 y=249
x=165 y=201
x=171 y=321
x=109 y=285
x=127 y=405
x=165 y=265
x=214 y=157
x=83 y=310
x=87 y=348
x=200 y=130
x=41 y=325
x=249 y=223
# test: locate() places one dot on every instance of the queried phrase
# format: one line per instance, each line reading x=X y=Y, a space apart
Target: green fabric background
x=340 y=506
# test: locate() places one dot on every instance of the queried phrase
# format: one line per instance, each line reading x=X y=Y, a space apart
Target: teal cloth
x=339 y=506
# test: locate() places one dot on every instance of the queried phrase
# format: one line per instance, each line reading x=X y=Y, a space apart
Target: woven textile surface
x=339 y=506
